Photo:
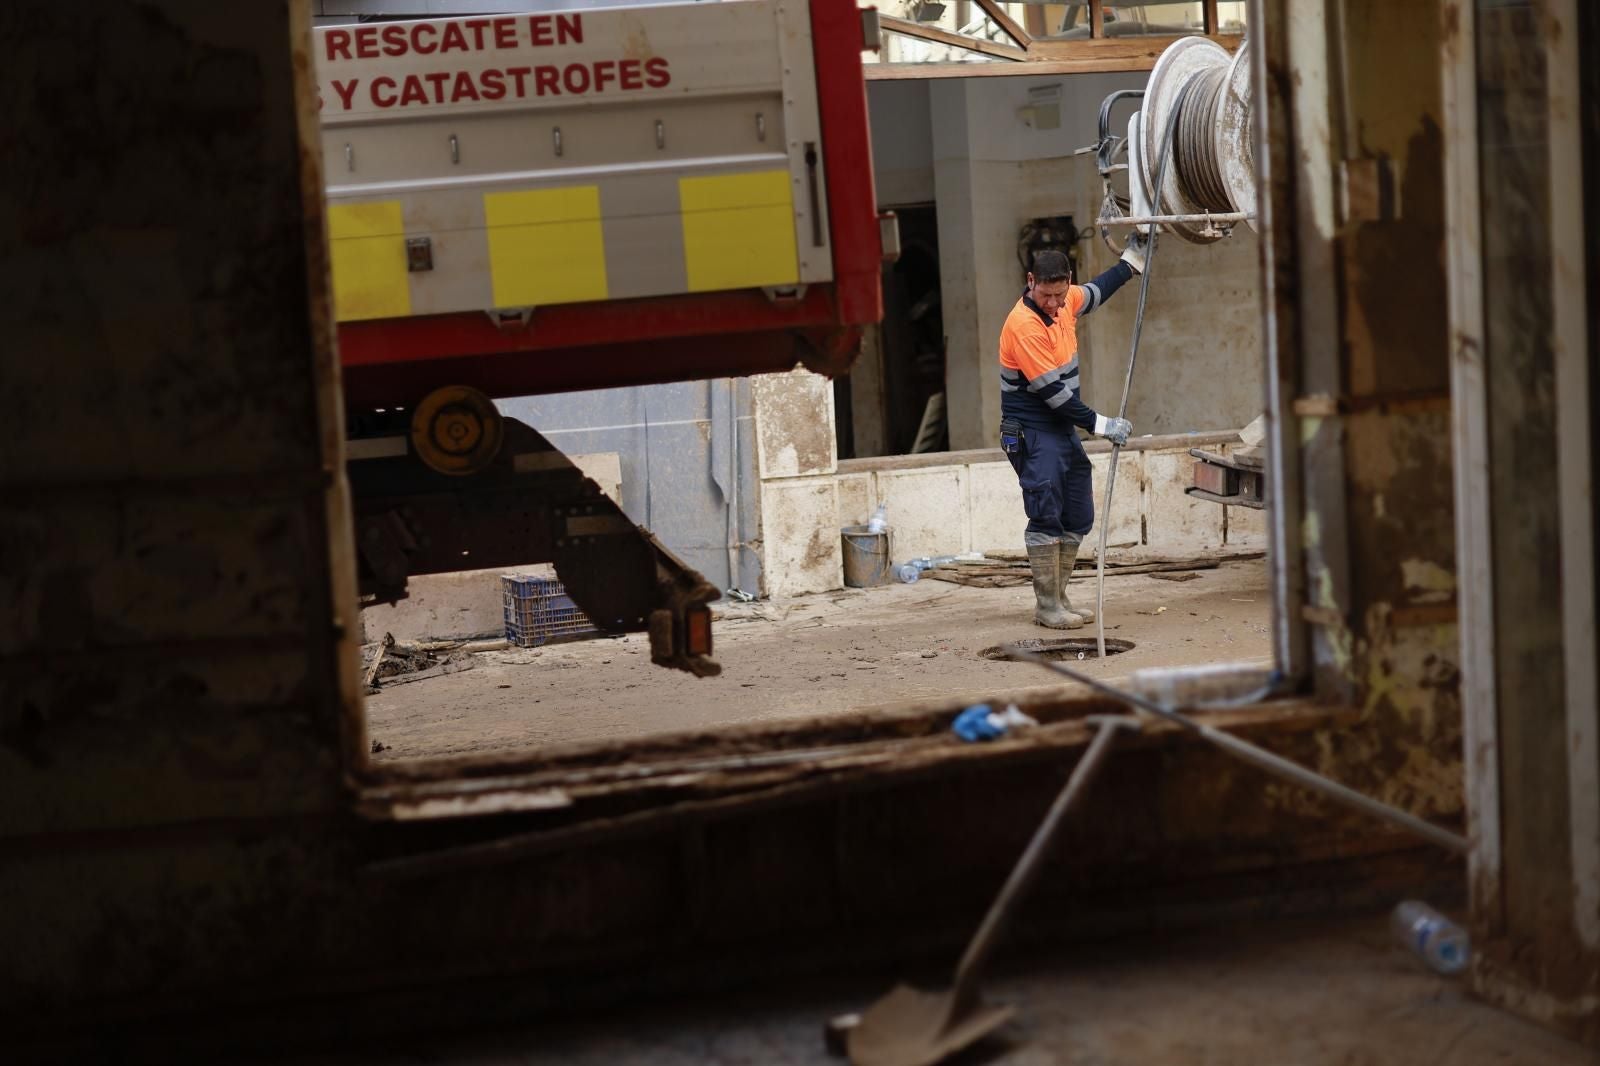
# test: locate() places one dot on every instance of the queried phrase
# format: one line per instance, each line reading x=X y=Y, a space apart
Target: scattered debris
x=1178 y=575
x=450 y=666
x=395 y=663
x=378 y=747
x=1003 y=570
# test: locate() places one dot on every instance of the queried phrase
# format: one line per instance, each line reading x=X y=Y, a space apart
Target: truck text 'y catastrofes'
x=511 y=39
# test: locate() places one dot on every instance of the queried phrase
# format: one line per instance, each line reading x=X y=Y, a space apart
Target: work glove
x=1138 y=248
x=1115 y=430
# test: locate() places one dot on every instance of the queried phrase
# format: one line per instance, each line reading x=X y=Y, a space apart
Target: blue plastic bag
x=974 y=724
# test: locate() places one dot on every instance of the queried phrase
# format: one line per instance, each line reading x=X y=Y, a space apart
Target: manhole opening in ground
x=1070 y=648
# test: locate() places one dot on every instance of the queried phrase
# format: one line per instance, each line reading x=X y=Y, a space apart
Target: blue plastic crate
x=539 y=611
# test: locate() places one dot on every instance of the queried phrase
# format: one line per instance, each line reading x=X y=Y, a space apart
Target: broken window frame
x=542 y=800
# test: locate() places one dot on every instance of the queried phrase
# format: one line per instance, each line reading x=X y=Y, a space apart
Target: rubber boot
x=1069 y=559
x=1045 y=561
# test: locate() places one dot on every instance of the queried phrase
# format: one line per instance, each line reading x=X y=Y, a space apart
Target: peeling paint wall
x=1374 y=412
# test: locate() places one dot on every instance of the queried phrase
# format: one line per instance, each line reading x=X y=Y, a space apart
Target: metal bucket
x=866 y=557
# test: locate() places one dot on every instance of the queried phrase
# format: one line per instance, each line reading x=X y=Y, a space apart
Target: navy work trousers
x=1057 y=485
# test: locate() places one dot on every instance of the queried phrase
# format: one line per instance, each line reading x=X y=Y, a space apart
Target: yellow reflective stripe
x=546 y=246
x=367 y=249
x=738 y=231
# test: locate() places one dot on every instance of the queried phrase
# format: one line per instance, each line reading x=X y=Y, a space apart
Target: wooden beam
x=954 y=40
x=1005 y=22
x=1211 y=23
x=914 y=71
x=1097 y=19
x=1128 y=48
x=1113 y=55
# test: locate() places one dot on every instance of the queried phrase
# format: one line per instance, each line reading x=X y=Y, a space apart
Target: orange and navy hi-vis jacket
x=1039 y=358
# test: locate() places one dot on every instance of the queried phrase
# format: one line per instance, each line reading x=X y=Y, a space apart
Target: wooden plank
x=979 y=575
x=896 y=761
x=1127 y=48
x=1112 y=55
x=1005 y=22
x=954 y=40
x=1097 y=19
x=1211 y=22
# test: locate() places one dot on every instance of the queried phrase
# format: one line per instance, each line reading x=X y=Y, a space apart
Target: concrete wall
x=969 y=501
x=797 y=454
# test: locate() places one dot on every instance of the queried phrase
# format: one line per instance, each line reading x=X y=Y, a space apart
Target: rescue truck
x=540 y=201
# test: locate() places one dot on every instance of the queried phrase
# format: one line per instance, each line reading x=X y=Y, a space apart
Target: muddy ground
x=819 y=654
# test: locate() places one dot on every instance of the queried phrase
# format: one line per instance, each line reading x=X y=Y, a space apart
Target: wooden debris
x=449 y=666
x=398 y=662
x=370 y=682
x=988 y=574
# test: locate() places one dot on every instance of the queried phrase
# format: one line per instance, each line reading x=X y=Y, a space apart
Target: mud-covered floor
x=1273 y=993
x=812 y=655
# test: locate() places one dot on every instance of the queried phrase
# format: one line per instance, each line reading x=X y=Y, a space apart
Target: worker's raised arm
x=1086 y=298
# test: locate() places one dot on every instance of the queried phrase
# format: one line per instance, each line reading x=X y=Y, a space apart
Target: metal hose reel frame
x=1212 y=171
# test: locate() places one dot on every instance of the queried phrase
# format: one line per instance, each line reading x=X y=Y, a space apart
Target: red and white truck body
x=534 y=202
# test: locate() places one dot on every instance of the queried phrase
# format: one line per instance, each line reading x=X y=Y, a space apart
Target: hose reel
x=1210 y=184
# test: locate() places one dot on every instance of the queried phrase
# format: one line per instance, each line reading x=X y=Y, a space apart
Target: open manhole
x=1065 y=649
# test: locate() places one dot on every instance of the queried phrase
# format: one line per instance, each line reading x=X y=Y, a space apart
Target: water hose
x=1133 y=356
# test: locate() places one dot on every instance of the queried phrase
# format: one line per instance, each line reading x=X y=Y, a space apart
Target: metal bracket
x=871 y=30
x=419 y=254
x=889 y=235
x=1237 y=480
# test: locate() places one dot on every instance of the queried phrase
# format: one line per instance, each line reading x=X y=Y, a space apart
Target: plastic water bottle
x=906 y=573
x=879 y=520
x=1436 y=940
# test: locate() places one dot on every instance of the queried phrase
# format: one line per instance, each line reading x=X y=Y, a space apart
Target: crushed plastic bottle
x=1440 y=943
x=879 y=521
x=906 y=573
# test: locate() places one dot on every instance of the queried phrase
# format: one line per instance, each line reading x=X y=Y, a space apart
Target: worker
x=1041 y=413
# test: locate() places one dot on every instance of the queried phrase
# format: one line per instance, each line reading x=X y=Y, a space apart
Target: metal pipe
x=1022 y=875
x=1144 y=220
x=1127 y=384
x=1263 y=759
